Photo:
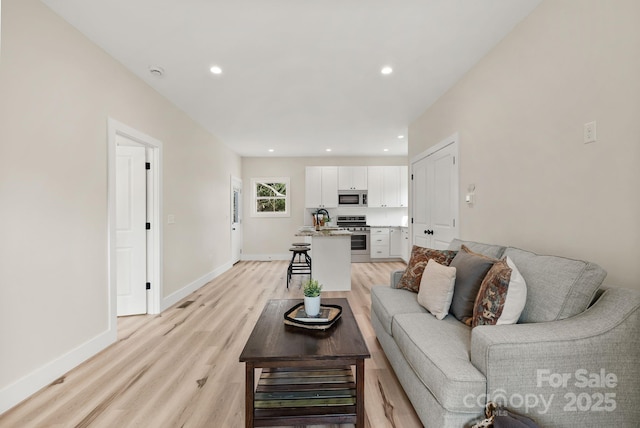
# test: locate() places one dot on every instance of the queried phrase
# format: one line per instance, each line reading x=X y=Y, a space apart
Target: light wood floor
x=181 y=369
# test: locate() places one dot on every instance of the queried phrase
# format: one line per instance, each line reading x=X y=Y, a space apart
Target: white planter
x=312 y=306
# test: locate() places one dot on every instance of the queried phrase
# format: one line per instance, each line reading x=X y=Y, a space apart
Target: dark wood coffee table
x=307 y=376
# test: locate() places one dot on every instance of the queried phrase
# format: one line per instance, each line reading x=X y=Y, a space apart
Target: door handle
x=428 y=232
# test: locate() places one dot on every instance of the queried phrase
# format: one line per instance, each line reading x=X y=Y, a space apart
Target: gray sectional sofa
x=573 y=359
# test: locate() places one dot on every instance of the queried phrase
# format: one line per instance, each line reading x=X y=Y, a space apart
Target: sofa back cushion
x=493 y=251
x=557 y=287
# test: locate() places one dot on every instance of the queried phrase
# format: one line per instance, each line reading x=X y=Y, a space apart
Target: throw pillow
x=471 y=268
x=436 y=288
x=411 y=277
x=502 y=295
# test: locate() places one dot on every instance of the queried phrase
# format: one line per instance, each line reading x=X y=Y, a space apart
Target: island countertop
x=324 y=233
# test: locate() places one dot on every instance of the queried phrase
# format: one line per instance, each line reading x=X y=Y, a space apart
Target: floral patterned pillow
x=502 y=295
x=420 y=256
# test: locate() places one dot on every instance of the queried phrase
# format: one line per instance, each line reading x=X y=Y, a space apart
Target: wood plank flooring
x=181 y=369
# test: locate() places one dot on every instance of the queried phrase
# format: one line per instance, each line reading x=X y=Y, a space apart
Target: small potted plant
x=311 y=292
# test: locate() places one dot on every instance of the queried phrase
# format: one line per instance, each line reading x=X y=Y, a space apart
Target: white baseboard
x=175 y=297
x=265 y=257
x=23 y=388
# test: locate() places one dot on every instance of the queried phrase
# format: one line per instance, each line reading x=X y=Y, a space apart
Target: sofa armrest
x=395 y=277
x=580 y=370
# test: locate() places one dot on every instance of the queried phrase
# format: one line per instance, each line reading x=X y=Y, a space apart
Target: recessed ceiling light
x=216 y=70
x=400 y=137
x=386 y=150
x=271 y=150
x=327 y=150
x=386 y=70
x=156 y=71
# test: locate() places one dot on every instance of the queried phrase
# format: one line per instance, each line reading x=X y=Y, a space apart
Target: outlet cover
x=590 y=132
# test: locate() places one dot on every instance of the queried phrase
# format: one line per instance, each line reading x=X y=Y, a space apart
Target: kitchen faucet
x=323 y=212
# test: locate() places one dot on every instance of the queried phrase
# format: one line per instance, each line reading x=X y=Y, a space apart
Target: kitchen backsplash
x=375 y=216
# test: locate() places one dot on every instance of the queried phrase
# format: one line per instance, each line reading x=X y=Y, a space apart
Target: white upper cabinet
x=404 y=186
x=321 y=187
x=375 y=176
x=352 y=178
x=391 y=186
x=388 y=186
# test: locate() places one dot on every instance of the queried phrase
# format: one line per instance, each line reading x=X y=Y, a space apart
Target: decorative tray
x=329 y=314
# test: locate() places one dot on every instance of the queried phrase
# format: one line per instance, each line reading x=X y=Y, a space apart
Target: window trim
x=254 y=197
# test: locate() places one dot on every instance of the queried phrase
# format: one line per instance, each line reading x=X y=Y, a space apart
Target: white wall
x=265 y=237
x=57 y=90
x=520 y=114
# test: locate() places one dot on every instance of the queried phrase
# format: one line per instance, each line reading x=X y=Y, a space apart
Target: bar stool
x=301 y=265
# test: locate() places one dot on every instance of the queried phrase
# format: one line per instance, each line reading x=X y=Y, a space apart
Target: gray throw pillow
x=471 y=268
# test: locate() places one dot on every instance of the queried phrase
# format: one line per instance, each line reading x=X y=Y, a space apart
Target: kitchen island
x=331 y=258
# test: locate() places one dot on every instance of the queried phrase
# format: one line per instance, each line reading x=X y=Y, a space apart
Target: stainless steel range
x=360 y=238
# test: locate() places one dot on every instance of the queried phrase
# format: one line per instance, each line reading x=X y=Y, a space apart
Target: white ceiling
x=299 y=76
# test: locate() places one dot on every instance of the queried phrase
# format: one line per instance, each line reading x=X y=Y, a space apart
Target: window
x=270 y=197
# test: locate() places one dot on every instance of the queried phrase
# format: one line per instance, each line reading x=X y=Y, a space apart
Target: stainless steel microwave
x=352 y=198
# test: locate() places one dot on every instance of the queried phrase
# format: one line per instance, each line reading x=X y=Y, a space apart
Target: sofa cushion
x=420 y=256
x=387 y=302
x=501 y=297
x=471 y=268
x=493 y=251
x=557 y=287
x=436 y=288
x=396 y=276
x=438 y=352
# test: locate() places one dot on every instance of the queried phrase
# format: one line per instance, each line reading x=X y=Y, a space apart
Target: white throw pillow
x=516 y=296
x=436 y=288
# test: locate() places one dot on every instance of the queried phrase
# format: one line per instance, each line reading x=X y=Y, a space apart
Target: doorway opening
x=124 y=145
x=236 y=219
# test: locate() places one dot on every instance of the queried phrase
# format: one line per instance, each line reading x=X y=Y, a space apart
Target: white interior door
x=421 y=216
x=236 y=219
x=444 y=197
x=435 y=198
x=131 y=240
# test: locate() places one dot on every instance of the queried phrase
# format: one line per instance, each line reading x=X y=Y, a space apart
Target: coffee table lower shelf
x=305 y=396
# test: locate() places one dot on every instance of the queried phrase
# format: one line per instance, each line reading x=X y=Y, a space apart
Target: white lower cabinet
x=379 y=242
x=405 y=251
x=395 y=242
x=390 y=243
